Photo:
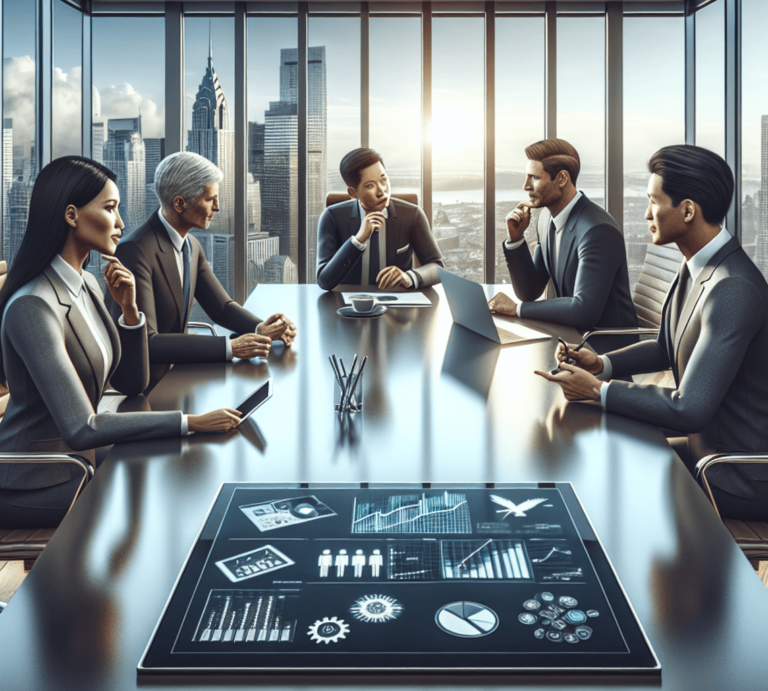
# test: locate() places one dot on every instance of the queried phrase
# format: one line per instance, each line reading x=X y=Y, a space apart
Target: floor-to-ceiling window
x=128 y=110
x=209 y=128
x=519 y=117
x=654 y=115
x=19 y=159
x=754 y=132
x=333 y=113
x=67 y=87
x=273 y=154
x=395 y=98
x=710 y=77
x=457 y=132
x=581 y=97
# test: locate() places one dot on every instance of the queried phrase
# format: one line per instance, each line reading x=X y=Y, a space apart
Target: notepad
x=415 y=299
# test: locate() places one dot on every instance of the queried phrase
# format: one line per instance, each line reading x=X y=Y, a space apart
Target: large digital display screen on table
x=509 y=578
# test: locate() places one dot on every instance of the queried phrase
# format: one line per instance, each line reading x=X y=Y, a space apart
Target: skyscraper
x=256 y=150
x=279 y=187
x=7 y=182
x=97 y=141
x=124 y=155
x=211 y=136
x=761 y=242
x=154 y=149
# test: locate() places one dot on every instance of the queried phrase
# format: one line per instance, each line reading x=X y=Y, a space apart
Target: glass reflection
x=654 y=116
x=457 y=131
x=581 y=97
x=754 y=133
x=519 y=117
x=273 y=222
x=710 y=77
x=19 y=161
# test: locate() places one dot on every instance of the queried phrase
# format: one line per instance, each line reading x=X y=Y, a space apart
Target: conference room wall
x=472 y=234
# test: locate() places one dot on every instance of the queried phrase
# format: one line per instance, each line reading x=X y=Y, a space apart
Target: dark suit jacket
x=149 y=254
x=719 y=362
x=55 y=376
x=339 y=261
x=591 y=280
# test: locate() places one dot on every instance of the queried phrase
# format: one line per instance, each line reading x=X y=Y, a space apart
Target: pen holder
x=354 y=399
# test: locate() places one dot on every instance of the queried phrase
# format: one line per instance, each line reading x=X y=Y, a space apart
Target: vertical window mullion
x=303 y=57
x=489 y=229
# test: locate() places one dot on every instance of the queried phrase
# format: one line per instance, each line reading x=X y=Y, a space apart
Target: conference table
x=441 y=405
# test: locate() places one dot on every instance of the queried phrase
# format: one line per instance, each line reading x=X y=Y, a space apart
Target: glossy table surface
x=441 y=406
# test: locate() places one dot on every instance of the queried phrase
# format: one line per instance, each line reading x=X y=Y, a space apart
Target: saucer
x=348 y=311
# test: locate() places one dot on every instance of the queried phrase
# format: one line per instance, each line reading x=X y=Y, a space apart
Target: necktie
x=679 y=300
x=373 y=266
x=187 y=271
x=551 y=242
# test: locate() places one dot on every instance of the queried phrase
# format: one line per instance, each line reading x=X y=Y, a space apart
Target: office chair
x=28 y=543
x=660 y=267
x=750 y=536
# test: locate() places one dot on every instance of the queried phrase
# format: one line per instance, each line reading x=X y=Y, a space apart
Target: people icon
x=358 y=563
x=342 y=561
x=324 y=561
x=376 y=561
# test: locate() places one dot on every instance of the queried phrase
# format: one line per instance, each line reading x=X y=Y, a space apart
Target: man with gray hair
x=170 y=269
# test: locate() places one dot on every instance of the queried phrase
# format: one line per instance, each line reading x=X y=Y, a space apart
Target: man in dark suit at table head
x=580 y=249
x=714 y=335
x=170 y=269
x=370 y=240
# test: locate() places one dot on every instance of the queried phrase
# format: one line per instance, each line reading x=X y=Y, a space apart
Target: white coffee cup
x=363 y=303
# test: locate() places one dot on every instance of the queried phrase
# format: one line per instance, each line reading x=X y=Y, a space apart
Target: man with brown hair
x=580 y=248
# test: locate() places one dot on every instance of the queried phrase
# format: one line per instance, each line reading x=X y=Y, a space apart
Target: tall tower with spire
x=212 y=136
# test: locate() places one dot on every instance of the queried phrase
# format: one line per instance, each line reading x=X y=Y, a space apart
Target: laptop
x=469 y=308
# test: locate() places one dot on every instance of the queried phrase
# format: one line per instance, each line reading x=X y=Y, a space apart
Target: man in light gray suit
x=581 y=250
x=714 y=335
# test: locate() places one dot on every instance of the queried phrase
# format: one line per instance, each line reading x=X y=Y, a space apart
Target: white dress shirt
x=560 y=222
x=695 y=264
x=84 y=302
x=381 y=234
x=178 y=245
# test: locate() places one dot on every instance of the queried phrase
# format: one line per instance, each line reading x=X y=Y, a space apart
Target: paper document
x=520 y=332
x=415 y=299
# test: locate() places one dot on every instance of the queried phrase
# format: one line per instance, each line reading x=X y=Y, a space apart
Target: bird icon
x=517 y=509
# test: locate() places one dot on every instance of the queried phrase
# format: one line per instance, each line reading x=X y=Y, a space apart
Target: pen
x=357 y=376
x=346 y=394
x=336 y=374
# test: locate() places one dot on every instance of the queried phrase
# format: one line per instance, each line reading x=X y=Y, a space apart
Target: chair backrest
x=661 y=265
x=335 y=197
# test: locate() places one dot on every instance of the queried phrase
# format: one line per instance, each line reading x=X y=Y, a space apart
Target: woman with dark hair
x=60 y=348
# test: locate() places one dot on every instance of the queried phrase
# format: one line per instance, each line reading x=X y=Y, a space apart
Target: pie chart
x=466 y=619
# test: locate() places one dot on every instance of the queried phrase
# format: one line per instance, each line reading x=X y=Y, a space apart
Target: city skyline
x=653 y=110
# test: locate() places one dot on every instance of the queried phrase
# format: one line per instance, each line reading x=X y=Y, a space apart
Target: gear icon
x=376 y=608
x=328 y=630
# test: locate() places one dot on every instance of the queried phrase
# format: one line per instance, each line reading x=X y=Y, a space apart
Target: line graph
x=443 y=513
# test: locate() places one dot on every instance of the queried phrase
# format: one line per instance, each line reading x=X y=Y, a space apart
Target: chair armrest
x=202 y=325
x=622 y=332
x=700 y=472
x=49 y=458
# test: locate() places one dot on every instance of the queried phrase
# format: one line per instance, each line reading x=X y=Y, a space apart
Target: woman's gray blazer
x=55 y=372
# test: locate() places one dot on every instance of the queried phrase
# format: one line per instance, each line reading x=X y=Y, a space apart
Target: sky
x=128 y=73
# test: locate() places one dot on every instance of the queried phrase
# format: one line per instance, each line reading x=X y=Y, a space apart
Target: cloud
x=113 y=101
x=123 y=101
